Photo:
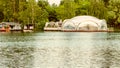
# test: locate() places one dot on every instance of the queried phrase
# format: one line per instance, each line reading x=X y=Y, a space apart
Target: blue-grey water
x=60 y=50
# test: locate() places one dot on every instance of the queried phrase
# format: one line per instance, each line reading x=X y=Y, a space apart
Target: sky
x=54 y=1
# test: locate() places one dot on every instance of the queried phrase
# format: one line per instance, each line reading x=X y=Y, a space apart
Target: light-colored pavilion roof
x=84 y=21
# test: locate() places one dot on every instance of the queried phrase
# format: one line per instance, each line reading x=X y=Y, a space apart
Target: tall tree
x=66 y=9
x=1 y=10
x=1 y=16
x=10 y=10
x=82 y=7
x=106 y=2
x=114 y=13
x=97 y=9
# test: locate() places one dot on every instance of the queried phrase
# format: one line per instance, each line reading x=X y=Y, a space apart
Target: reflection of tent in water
x=84 y=23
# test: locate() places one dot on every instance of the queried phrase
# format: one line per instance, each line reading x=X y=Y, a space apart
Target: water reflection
x=60 y=50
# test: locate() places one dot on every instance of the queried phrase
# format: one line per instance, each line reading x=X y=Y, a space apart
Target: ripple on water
x=60 y=50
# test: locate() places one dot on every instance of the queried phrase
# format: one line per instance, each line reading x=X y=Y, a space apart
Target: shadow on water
x=16 y=56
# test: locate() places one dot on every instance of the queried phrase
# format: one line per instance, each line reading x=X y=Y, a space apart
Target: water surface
x=60 y=50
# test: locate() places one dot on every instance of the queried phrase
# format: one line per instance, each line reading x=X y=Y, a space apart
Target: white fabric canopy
x=85 y=22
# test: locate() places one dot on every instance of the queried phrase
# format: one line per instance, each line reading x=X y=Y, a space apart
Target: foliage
x=37 y=13
x=66 y=10
x=1 y=16
x=32 y=13
x=52 y=13
x=97 y=9
x=114 y=8
x=82 y=7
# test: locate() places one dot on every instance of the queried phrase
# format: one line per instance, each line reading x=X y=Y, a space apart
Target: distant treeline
x=37 y=13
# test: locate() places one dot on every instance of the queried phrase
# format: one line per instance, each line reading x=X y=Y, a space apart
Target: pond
x=60 y=50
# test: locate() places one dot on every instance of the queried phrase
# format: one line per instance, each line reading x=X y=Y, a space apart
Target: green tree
x=52 y=12
x=1 y=16
x=106 y=2
x=114 y=13
x=66 y=9
x=31 y=12
x=82 y=7
x=97 y=9
x=1 y=10
x=10 y=10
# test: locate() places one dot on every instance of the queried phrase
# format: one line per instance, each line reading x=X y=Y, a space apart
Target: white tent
x=84 y=23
